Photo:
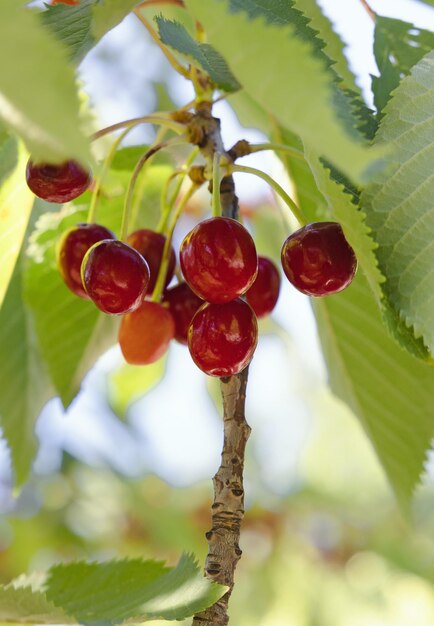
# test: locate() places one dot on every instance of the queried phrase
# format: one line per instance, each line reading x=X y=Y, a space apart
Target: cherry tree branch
x=227 y=510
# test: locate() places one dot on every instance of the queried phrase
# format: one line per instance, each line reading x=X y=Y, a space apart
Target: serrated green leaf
x=389 y=390
x=108 y=14
x=334 y=46
x=24 y=606
x=131 y=590
x=399 y=204
x=202 y=55
x=42 y=106
x=72 y=25
x=282 y=73
x=16 y=201
x=130 y=383
x=398 y=46
x=341 y=208
x=24 y=385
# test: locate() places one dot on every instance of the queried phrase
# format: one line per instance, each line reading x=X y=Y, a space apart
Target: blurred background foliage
x=128 y=474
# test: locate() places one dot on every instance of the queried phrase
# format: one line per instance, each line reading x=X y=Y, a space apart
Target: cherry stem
x=369 y=10
x=169 y=56
x=296 y=154
x=167 y=205
x=91 y=216
x=277 y=188
x=141 y=186
x=162 y=272
x=152 y=119
x=138 y=168
x=216 y=181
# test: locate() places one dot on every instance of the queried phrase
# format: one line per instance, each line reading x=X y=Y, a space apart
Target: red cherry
x=115 y=276
x=222 y=337
x=145 y=334
x=318 y=260
x=218 y=259
x=150 y=245
x=263 y=294
x=72 y=247
x=183 y=304
x=57 y=183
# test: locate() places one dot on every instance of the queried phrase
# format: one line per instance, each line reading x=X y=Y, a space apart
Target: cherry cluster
x=226 y=286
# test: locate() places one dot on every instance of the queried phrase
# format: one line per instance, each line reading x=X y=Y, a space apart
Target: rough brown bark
x=227 y=510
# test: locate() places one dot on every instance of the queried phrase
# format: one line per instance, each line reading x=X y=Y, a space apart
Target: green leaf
x=131 y=382
x=389 y=390
x=282 y=74
x=342 y=209
x=16 y=201
x=71 y=332
x=398 y=46
x=24 y=385
x=108 y=14
x=41 y=106
x=201 y=55
x=127 y=158
x=23 y=605
x=399 y=203
x=72 y=25
x=132 y=590
x=334 y=46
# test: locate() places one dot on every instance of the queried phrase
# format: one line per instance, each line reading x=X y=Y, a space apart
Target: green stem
x=135 y=121
x=216 y=181
x=167 y=205
x=98 y=179
x=296 y=154
x=277 y=188
x=138 y=168
x=162 y=272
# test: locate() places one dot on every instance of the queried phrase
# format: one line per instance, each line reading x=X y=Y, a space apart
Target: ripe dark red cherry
x=145 y=334
x=115 y=276
x=57 y=183
x=222 y=337
x=150 y=245
x=72 y=247
x=183 y=304
x=318 y=260
x=263 y=294
x=218 y=259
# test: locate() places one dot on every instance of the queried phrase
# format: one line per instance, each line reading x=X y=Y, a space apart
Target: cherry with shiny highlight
x=115 y=276
x=264 y=293
x=57 y=182
x=222 y=337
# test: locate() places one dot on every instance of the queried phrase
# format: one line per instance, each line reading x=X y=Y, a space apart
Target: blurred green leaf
x=24 y=385
x=16 y=201
x=23 y=605
x=130 y=382
x=42 y=106
x=109 y=13
x=204 y=56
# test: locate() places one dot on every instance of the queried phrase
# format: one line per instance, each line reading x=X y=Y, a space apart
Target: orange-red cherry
x=150 y=244
x=318 y=260
x=115 y=276
x=72 y=247
x=222 y=337
x=57 y=182
x=218 y=259
x=145 y=334
x=183 y=304
x=264 y=293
